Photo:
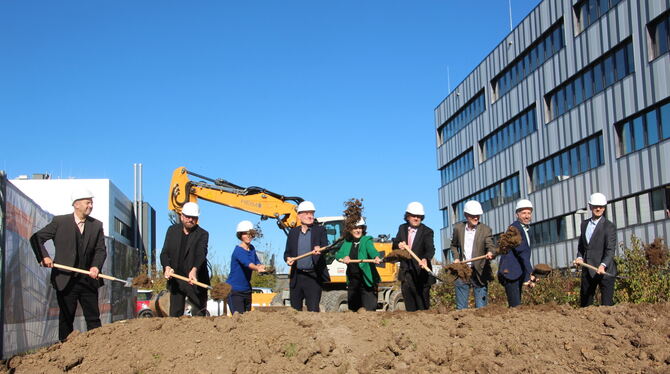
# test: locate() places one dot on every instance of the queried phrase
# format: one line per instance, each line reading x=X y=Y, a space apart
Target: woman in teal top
x=362 y=277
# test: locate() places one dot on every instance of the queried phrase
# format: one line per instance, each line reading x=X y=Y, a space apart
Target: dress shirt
x=468 y=241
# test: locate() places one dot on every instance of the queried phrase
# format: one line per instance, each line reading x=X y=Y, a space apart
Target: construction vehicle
x=270 y=205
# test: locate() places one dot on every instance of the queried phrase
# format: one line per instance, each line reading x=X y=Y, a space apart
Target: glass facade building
x=575 y=100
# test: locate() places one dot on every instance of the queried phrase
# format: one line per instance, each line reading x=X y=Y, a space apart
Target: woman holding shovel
x=359 y=254
x=243 y=261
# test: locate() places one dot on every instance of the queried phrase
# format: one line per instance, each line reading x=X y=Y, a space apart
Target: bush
x=646 y=279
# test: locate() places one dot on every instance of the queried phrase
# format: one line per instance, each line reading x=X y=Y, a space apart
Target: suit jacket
x=195 y=255
x=319 y=238
x=516 y=263
x=65 y=234
x=601 y=248
x=482 y=244
x=422 y=246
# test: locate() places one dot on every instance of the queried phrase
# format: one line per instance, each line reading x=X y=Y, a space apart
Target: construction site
x=532 y=215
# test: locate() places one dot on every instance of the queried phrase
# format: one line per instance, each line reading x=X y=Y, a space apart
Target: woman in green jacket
x=362 y=277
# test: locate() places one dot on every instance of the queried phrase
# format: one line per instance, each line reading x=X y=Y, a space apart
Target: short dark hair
x=350 y=237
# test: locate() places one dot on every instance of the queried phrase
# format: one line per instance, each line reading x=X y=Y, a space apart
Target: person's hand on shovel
x=316 y=250
x=47 y=262
x=192 y=276
x=490 y=256
x=94 y=271
x=601 y=270
x=289 y=261
x=168 y=272
x=346 y=260
x=378 y=260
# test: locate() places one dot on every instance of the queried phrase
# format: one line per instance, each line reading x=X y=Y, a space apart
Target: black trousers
x=78 y=290
x=306 y=289
x=361 y=296
x=416 y=292
x=239 y=301
x=196 y=295
x=588 y=287
x=513 y=289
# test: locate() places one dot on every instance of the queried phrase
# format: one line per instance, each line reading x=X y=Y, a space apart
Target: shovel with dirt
x=126 y=283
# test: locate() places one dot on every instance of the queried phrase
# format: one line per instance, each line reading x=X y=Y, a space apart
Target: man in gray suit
x=472 y=239
x=597 y=245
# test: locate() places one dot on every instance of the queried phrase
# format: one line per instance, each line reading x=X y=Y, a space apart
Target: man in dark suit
x=597 y=245
x=415 y=282
x=515 y=269
x=308 y=274
x=80 y=242
x=473 y=239
x=185 y=252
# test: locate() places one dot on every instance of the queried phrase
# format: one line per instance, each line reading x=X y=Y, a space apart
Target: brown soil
x=508 y=240
x=220 y=291
x=397 y=255
x=656 y=252
x=142 y=281
x=460 y=270
x=542 y=269
x=352 y=213
x=538 y=339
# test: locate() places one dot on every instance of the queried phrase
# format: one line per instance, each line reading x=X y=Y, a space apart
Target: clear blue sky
x=323 y=100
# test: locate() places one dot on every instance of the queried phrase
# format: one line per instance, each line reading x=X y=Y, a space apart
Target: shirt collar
x=595 y=221
x=467 y=227
x=76 y=219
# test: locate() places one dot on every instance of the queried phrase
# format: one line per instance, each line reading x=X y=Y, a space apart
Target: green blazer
x=366 y=250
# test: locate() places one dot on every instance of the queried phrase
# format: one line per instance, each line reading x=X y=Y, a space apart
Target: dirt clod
x=142 y=281
x=220 y=291
x=397 y=255
x=353 y=213
x=508 y=240
x=460 y=270
x=656 y=252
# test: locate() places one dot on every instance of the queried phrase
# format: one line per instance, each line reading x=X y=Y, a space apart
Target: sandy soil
x=539 y=339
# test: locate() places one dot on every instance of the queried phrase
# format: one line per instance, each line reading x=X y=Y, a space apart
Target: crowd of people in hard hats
x=79 y=242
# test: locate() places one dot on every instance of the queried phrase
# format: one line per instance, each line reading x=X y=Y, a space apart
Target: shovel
x=426 y=268
x=185 y=279
x=596 y=269
x=324 y=249
x=358 y=261
x=126 y=283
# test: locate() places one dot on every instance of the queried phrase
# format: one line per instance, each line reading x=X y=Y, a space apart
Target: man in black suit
x=415 y=282
x=597 y=245
x=185 y=252
x=80 y=242
x=308 y=274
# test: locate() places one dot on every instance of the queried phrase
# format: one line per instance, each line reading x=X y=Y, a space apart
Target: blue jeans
x=463 y=294
x=513 y=291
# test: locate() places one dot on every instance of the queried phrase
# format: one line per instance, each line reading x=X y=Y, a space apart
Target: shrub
x=645 y=271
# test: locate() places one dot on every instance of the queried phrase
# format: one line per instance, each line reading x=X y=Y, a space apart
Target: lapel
x=88 y=229
x=476 y=239
x=461 y=237
x=597 y=230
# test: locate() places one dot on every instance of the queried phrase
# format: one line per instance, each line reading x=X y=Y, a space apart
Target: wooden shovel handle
x=326 y=248
x=474 y=259
x=185 y=279
x=594 y=268
x=418 y=260
x=87 y=272
x=358 y=261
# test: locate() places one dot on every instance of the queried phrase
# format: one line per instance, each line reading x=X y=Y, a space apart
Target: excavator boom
x=255 y=200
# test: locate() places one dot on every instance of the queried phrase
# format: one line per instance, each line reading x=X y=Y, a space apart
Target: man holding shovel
x=514 y=268
x=416 y=237
x=597 y=244
x=185 y=253
x=472 y=239
x=80 y=242
x=307 y=274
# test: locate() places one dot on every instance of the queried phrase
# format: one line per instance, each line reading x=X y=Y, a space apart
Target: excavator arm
x=255 y=200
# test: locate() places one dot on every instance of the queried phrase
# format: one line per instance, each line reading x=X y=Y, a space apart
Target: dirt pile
x=620 y=339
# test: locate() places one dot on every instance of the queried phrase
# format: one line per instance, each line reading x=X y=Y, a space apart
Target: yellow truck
x=188 y=186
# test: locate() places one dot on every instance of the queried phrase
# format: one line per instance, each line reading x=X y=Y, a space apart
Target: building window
x=502 y=192
x=602 y=73
x=123 y=229
x=471 y=110
x=458 y=166
x=508 y=134
x=659 y=35
x=529 y=60
x=589 y=11
x=644 y=128
x=577 y=159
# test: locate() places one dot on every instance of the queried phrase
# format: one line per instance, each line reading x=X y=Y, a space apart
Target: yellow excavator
x=188 y=186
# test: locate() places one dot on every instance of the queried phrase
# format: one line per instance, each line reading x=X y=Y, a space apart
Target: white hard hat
x=523 y=204
x=306 y=206
x=597 y=199
x=191 y=209
x=473 y=208
x=245 y=226
x=415 y=208
x=80 y=193
x=361 y=222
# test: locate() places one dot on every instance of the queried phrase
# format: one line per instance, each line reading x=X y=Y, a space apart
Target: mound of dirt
x=619 y=339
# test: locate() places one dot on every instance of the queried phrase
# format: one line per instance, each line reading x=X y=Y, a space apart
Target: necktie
x=80 y=224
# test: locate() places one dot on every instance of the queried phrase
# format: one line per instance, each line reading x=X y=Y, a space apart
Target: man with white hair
x=596 y=247
x=185 y=253
x=80 y=242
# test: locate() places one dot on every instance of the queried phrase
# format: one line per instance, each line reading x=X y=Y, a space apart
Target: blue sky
x=323 y=100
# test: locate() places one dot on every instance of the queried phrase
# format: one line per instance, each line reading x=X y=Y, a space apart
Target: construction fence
x=27 y=300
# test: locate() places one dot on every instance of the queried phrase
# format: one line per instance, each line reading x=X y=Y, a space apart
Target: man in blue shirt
x=308 y=274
